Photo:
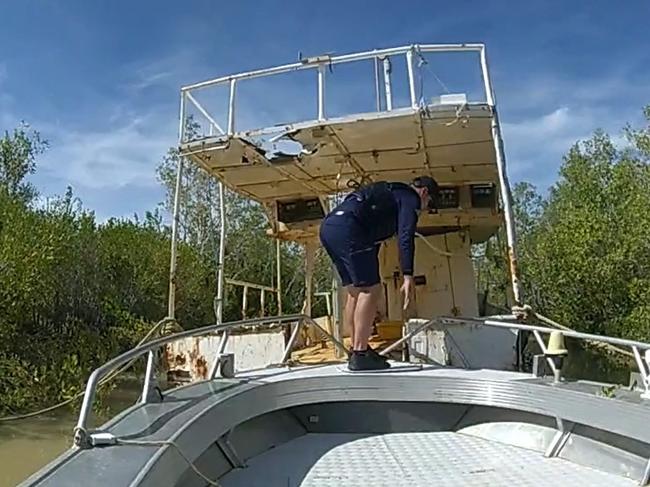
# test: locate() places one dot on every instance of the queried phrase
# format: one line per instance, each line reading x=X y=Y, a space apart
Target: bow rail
x=83 y=438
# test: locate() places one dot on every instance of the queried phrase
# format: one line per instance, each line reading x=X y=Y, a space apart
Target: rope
x=459 y=113
x=609 y=346
x=102 y=382
x=436 y=249
x=178 y=449
x=424 y=63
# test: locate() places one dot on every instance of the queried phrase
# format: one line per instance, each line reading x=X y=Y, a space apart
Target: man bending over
x=352 y=233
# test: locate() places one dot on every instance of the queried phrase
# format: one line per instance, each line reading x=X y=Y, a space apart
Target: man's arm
x=407 y=220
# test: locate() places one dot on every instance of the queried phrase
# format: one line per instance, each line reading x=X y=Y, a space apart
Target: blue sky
x=100 y=79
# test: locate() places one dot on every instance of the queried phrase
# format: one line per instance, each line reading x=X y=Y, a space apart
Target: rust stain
x=200 y=368
x=512 y=259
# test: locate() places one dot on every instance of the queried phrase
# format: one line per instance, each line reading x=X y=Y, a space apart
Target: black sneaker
x=371 y=351
x=367 y=361
x=374 y=352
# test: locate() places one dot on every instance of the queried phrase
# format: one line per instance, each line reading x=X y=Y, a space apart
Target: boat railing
x=639 y=350
x=83 y=437
x=384 y=89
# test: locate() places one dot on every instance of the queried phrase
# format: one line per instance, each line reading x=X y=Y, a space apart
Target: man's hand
x=407 y=290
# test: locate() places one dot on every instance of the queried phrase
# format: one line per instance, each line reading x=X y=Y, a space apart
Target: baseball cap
x=431 y=185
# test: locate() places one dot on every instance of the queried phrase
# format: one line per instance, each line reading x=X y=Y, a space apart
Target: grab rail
x=320 y=64
x=81 y=435
x=642 y=362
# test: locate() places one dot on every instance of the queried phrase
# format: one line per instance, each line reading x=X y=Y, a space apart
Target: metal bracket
x=643 y=363
x=81 y=438
x=565 y=429
x=539 y=365
x=646 y=475
x=150 y=390
x=229 y=451
x=223 y=366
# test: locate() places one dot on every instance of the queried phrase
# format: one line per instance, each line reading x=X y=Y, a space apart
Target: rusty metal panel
x=189 y=359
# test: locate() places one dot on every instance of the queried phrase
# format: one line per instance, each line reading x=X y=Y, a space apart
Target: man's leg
x=364 y=315
x=348 y=315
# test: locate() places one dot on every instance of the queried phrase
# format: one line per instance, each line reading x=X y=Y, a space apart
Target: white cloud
x=109 y=158
x=146 y=79
x=544 y=114
x=164 y=71
x=617 y=87
x=535 y=145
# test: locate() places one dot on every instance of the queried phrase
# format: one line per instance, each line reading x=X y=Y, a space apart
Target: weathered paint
x=514 y=275
x=450 y=287
x=189 y=359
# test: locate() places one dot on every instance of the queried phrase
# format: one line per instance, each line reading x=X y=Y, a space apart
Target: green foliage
x=74 y=293
x=491 y=259
x=591 y=248
x=584 y=252
x=250 y=253
x=18 y=151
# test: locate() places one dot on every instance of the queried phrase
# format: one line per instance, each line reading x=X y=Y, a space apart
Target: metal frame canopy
x=451 y=139
x=455 y=140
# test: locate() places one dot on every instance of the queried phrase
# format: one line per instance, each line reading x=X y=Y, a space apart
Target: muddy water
x=25 y=446
x=29 y=444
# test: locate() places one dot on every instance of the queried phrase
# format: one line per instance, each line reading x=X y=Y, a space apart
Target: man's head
x=427 y=188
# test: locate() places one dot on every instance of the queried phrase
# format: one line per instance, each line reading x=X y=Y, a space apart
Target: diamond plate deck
x=440 y=459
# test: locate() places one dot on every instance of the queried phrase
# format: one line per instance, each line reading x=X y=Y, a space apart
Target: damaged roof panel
x=452 y=143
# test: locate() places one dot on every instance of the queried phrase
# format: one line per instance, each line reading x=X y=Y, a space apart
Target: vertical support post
x=215 y=367
x=231 y=107
x=262 y=299
x=506 y=196
x=644 y=370
x=310 y=254
x=328 y=303
x=244 y=303
x=181 y=121
x=171 y=302
x=337 y=313
x=377 y=88
x=542 y=346
x=321 y=92
x=149 y=379
x=278 y=276
x=222 y=253
x=411 y=75
x=387 y=85
x=330 y=317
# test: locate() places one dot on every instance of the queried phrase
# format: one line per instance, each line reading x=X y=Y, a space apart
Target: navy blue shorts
x=354 y=255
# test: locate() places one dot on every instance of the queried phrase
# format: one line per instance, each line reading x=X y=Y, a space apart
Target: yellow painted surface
x=450 y=287
x=389 y=330
x=323 y=353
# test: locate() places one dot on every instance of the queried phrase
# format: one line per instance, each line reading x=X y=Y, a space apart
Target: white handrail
x=320 y=64
x=345 y=58
x=82 y=435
